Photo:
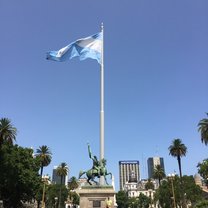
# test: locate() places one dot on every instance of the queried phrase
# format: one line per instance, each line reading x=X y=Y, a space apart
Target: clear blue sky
x=156 y=89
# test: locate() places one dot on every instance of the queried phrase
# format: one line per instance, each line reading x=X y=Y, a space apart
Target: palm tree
x=62 y=171
x=44 y=154
x=149 y=184
x=158 y=173
x=7 y=131
x=73 y=183
x=178 y=149
x=203 y=129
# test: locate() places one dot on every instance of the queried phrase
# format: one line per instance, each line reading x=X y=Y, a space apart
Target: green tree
x=19 y=178
x=201 y=204
x=73 y=184
x=149 y=184
x=133 y=202
x=203 y=129
x=203 y=170
x=62 y=171
x=193 y=193
x=178 y=149
x=122 y=199
x=53 y=192
x=164 y=194
x=7 y=131
x=74 y=197
x=44 y=156
x=143 y=201
x=158 y=173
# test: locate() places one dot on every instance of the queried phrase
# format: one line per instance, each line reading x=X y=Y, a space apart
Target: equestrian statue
x=98 y=169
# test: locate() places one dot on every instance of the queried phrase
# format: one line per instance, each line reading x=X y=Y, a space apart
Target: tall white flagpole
x=102 y=102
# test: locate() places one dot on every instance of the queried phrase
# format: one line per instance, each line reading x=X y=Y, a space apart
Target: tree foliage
x=193 y=193
x=73 y=184
x=74 y=197
x=62 y=171
x=43 y=153
x=52 y=192
x=203 y=129
x=19 y=179
x=7 y=132
x=132 y=202
x=203 y=170
x=149 y=184
x=201 y=204
x=178 y=149
x=164 y=193
x=143 y=201
x=122 y=199
x=158 y=173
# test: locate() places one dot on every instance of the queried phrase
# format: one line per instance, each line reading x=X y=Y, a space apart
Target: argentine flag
x=89 y=47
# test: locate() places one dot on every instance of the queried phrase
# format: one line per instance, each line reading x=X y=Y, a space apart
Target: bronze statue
x=98 y=169
x=96 y=163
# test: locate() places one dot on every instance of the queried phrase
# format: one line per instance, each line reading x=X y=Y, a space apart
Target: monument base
x=95 y=196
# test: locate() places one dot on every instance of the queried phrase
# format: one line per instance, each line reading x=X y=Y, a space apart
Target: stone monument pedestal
x=95 y=196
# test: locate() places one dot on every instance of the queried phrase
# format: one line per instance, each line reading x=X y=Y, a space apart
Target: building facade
x=126 y=168
x=152 y=162
x=134 y=189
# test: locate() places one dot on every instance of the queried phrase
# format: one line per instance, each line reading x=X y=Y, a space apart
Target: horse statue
x=96 y=172
x=98 y=169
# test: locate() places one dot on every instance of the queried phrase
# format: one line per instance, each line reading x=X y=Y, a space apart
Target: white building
x=125 y=169
x=134 y=189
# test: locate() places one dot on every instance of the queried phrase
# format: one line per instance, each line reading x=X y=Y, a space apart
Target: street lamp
x=45 y=181
x=150 y=196
x=172 y=176
x=56 y=200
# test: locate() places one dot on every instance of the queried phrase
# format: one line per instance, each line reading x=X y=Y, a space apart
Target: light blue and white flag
x=89 y=47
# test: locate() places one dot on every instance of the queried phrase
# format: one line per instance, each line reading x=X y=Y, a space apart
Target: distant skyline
x=156 y=69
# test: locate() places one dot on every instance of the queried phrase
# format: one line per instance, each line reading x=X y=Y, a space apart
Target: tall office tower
x=56 y=179
x=125 y=170
x=152 y=162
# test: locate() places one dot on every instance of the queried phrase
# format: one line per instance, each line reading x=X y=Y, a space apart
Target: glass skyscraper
x=152 y=162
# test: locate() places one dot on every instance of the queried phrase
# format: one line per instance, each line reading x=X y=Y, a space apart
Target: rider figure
x=96 y=162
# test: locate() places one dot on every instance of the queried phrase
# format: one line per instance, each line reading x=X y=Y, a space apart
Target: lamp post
x=172 y=176
x=45 y=181
x=185 y=201
x=150 y=196
x=56 y=200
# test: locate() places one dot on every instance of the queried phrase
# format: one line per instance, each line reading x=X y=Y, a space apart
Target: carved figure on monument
x=96 y=164
x=108 y=203
x=98 y=169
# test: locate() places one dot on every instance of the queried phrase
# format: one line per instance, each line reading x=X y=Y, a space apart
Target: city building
x=56 y=179
x=152 y=162
x=198 y=180
x=134 y=189
x=131 y=185
x=126 y=169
